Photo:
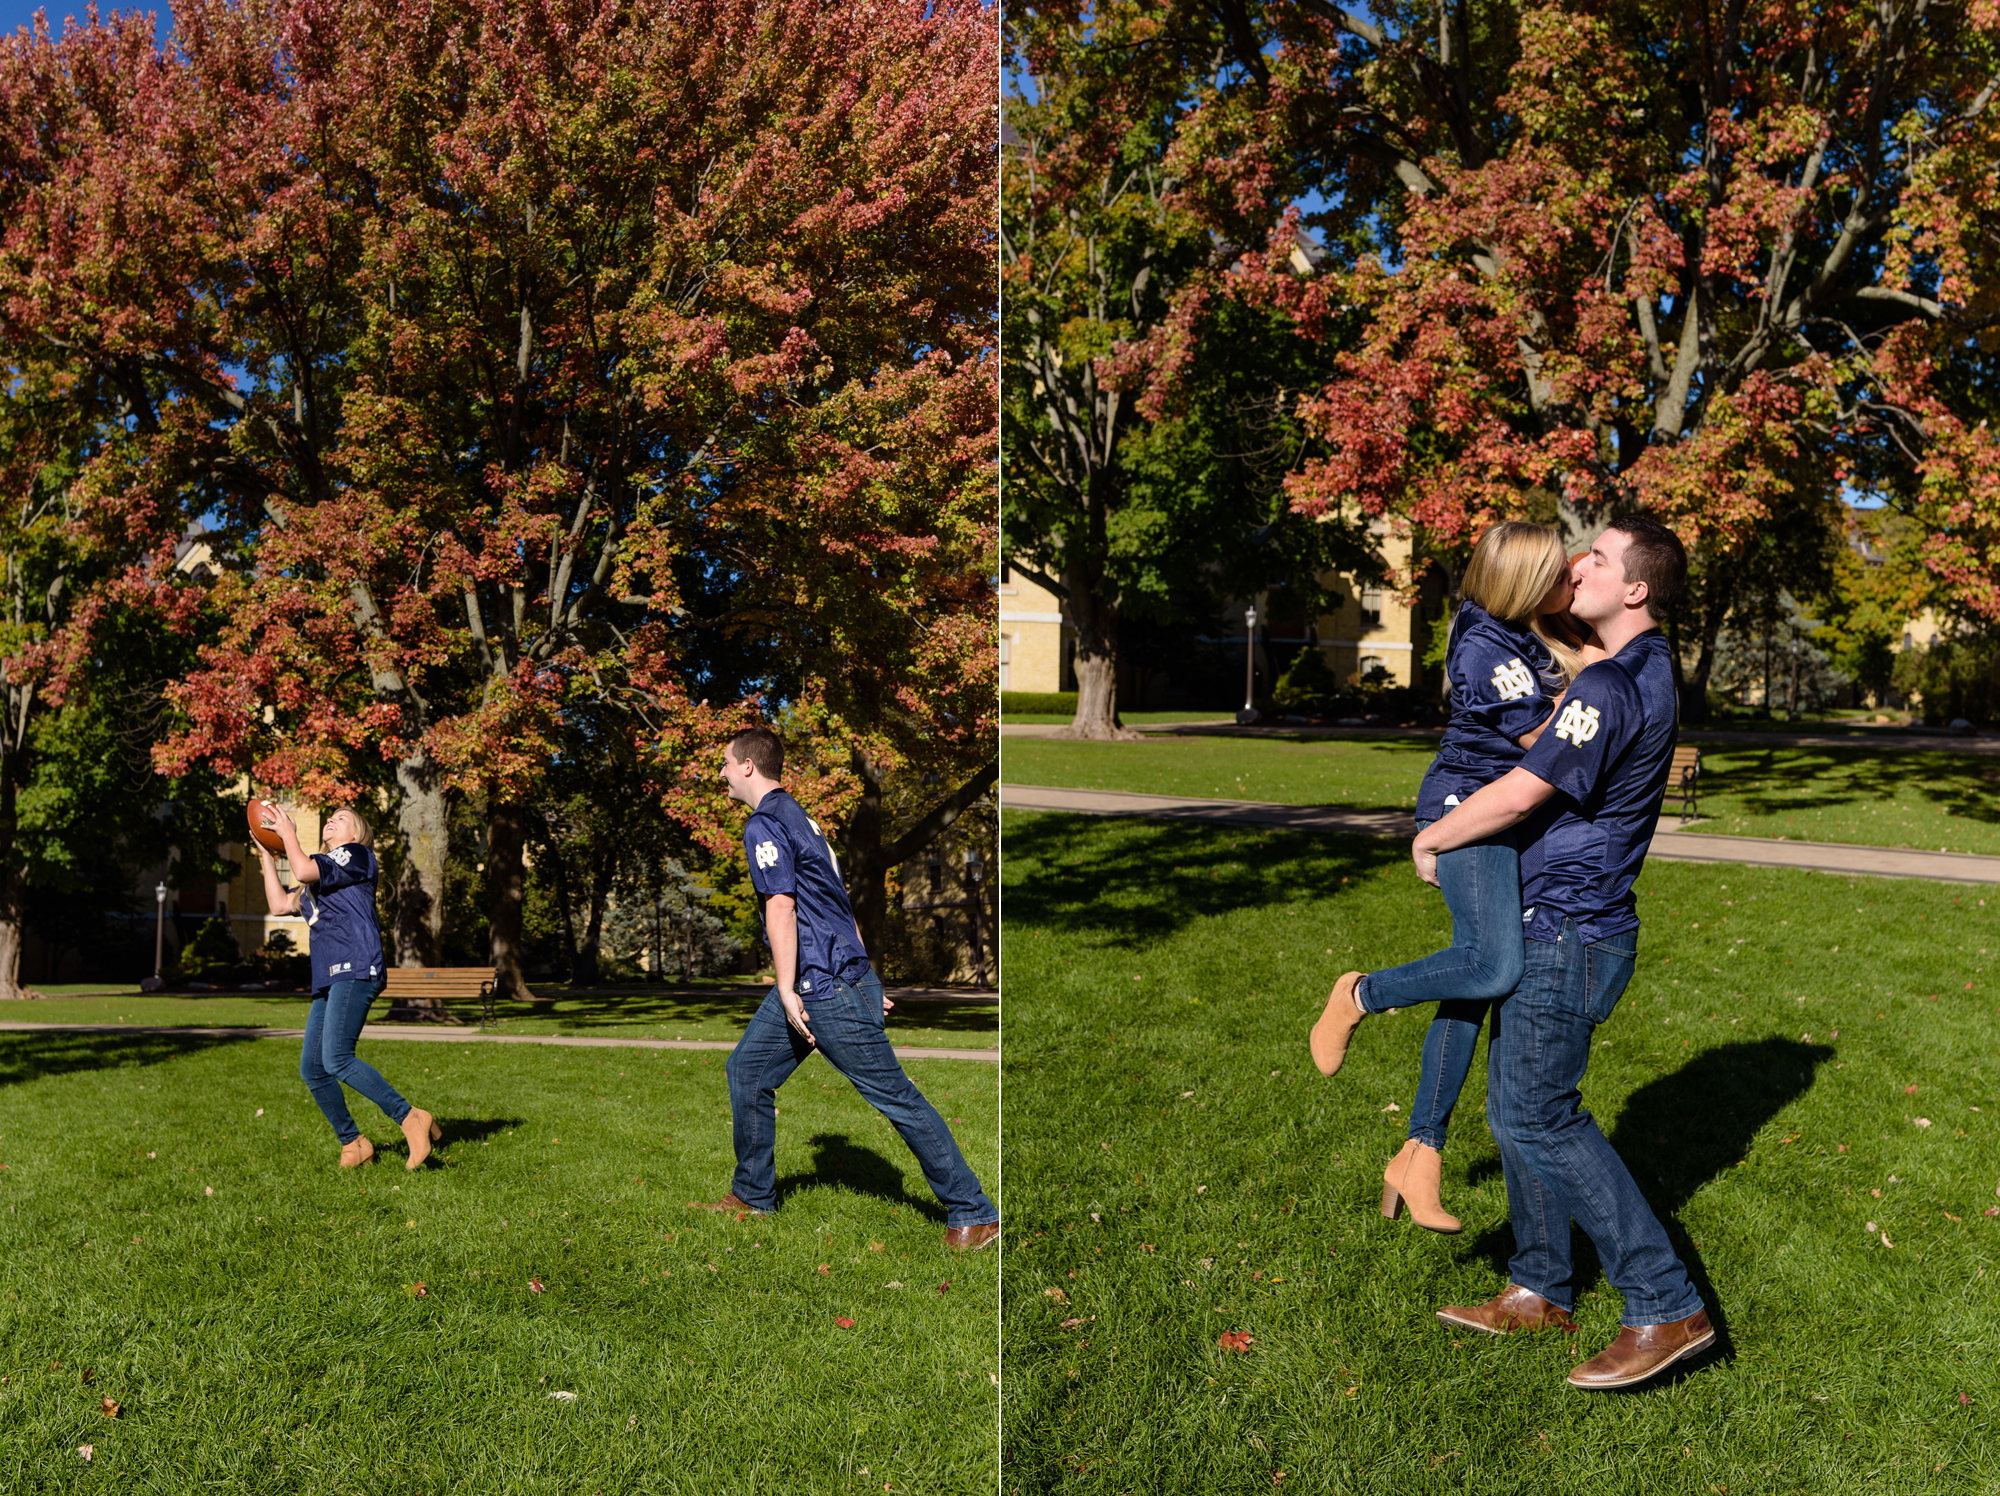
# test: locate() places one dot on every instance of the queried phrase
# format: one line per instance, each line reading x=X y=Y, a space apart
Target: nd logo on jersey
x=767 y=855
x=1513 y=680
x=1578 y=723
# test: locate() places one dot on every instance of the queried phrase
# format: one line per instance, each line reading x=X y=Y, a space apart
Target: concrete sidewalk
x=450 y=1036
x=1886 y=740
x=1670 y=845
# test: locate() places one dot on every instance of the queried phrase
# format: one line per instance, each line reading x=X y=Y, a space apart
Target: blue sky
x=14 y=14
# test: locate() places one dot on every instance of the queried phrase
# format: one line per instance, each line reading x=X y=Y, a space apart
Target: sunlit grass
x=1178 y=1169
x=255 y=1311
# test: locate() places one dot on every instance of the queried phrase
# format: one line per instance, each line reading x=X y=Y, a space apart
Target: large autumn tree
x=1716 y=260
x=523 y=359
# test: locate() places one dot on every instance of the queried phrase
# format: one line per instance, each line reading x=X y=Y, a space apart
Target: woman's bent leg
x=346 y=1011
x=325 y=1088
x=1482 y=889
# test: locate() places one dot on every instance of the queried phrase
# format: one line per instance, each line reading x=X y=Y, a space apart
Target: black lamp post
x=974 y=867
x=1249 y=712
x=159 y=927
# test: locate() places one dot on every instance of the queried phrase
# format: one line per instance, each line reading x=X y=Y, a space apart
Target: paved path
x=450 y=1036
x=1881 y=740
x=1671 y=844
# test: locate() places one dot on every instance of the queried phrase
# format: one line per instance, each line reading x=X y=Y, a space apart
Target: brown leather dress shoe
x=971 y=1238
x=728 y=1204
x=1505 y=1313
x=1337 y=1023
x=1643 y=1351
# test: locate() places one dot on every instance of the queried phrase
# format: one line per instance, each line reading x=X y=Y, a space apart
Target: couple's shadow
x=1676 y=1134
x=840 y=1162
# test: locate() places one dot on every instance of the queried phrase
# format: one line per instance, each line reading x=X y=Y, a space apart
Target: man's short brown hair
x=1656 y=557
x=762 y=748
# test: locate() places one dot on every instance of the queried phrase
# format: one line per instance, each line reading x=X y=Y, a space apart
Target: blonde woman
x=1511 y=654
x=337 y=897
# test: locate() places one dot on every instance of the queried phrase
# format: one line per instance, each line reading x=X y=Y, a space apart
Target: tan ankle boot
x=421 y=1131
x=1412 y=1178
x=1336 y=1024
x=357 y=1153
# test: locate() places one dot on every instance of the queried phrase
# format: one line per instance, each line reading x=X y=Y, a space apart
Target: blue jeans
x=1559 y=1167
x=327 y=1060
x=1482 y=889
x=848 y=1025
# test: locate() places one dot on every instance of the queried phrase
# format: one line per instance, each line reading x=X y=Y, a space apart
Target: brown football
x=264 y=834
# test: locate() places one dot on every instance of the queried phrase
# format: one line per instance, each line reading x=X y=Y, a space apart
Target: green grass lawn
x=717 y=1013
x=176 y=1236
x=1178 y=1169
x=1928 y=801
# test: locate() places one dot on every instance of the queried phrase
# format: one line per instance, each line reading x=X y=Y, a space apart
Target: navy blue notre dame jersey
x=1607 y=755
x=340 y=915
x=789 y=854
x=1502 y=679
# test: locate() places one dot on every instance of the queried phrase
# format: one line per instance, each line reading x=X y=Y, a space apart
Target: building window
x=1006 y=657
x=1371 y=607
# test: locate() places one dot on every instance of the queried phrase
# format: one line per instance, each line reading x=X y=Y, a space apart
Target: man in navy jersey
x=1589 y=792
x=828 y=998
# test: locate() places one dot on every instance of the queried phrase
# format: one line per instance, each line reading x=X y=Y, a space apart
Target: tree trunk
x=422 y=839
x=867 y=873
x=867 y=860
x=588 y=969
x=11 y=902
x=1096 y=624
x=507 y=837
x=422 y=835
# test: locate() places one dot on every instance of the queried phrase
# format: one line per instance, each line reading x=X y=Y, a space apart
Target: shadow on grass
x=1678 y=1133
x=26 y=1057
x=587 y=1011
x=1770 y=780
x=1159 y=876
x=839 y=1160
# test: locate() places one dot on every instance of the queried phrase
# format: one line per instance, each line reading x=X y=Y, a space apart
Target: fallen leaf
x=88 y=1373
x=110 y=1407
x=563 y=1396
x=1145 y=1246
x=1963 y=1400
x=420 y=1289
x=535 y=1285
x=260 y=1111
x=208 y=1189
x=877 y=1246
x=1071 y=1324
x=1923 y=1121
x=1097 y=1218
x=1885 y=1240
x=1201 y=1189
x=1909 y=1090
x=1057 y=1294
x=1235 y=1340
x=1392 y=1107
x=88 y=1451
x=896 y=1284
x=844 y=1322
x=945 y=1286
x=824 y=1271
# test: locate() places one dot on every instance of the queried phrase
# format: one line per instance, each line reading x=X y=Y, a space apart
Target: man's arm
x=1507 y=801
x=781 y=927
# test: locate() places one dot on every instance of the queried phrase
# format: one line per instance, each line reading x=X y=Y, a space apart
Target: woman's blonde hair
x=367 y=836
x=1514 y=566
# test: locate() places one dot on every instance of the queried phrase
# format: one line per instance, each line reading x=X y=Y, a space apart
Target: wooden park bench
x=1683 y=778
x=443 y=984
